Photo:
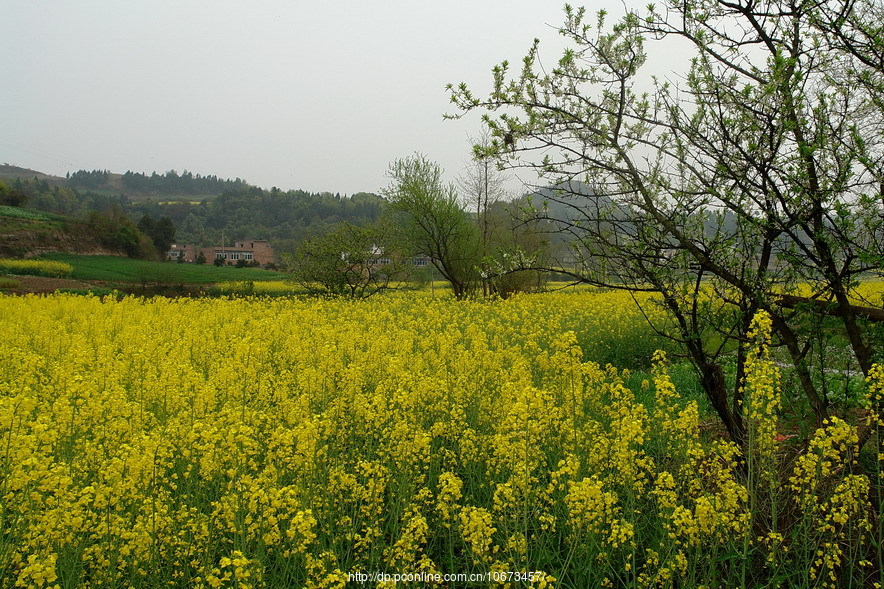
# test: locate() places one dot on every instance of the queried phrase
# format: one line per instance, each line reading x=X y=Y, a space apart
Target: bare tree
x=482 y=185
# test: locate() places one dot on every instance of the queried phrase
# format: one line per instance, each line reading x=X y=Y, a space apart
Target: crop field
x=120 y=269
x=406 y=440
x=52 y=268
x=29 y=214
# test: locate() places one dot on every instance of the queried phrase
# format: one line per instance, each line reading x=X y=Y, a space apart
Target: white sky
x=313 y=95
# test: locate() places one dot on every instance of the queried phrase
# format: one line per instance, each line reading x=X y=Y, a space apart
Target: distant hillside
x=138 y=186
x=26 y=233
x=9 y=172
x=134 y=185
x=203 y=209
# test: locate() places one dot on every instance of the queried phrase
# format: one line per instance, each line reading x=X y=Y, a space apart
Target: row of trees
x=90 y=179
x=168 y=183
x=424 y=224
x=41 y=195
x=172 y=182
x=283 y=217
x=11 y=197
x=761 y=171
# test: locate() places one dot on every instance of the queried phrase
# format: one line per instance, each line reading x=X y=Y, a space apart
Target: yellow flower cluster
x=829 y=448
x=761 y=399
x=286 y=442
x=875 y=399
x=36 y=267
x=835 y=518
x=477 y=529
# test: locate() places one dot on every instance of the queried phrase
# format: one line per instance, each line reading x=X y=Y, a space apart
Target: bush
x=10 y=197
x=519 y=281
x=116 y=231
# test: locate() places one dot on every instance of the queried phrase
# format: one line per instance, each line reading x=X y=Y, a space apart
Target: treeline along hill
x=203 y=209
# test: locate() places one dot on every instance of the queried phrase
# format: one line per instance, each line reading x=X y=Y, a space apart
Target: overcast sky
x=313 y=95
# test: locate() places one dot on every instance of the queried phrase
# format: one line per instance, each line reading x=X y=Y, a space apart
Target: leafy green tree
x=192 y=230
x=761 y=170
x=161 y=232
x=115 y=230
x=12 y=197
x=432 y=222
x=164 y=235
x=147 y=225
x=350 y=260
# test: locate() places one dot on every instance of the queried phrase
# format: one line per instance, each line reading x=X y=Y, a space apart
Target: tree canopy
x=356 y=261
x=758 y=174
x=432 y=221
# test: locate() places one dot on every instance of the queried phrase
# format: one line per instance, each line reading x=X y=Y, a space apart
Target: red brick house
x=253 y=250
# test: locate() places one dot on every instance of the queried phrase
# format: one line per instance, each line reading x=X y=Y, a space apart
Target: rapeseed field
x=405 y=440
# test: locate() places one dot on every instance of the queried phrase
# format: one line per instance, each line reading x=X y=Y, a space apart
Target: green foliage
x=161 y=232
x=17 y=213
x=760 y=170
x=231 y=206
x=173 y=183
x=351 y=260
x=84 y=179
x=432 y=223
x=9 y=282
x=65 y=200
x=116 y=231
x=10 y=197
x=284 y=218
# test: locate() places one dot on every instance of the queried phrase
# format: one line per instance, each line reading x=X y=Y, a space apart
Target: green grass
x=119 y=269
x=683 y=376
x=19 y=213
x=9 y=282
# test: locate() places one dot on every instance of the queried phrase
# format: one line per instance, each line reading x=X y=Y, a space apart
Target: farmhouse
x=255 y=250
